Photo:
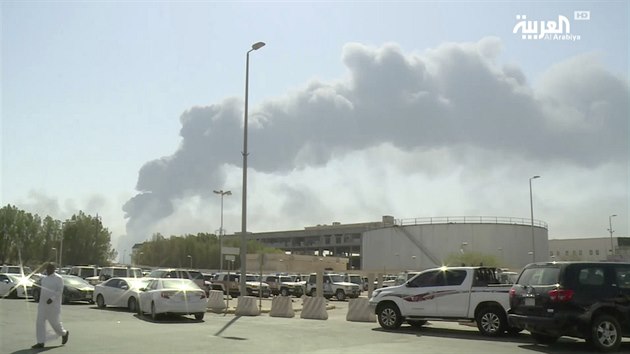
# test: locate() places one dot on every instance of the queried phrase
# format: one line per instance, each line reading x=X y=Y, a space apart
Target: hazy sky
x=134 y=110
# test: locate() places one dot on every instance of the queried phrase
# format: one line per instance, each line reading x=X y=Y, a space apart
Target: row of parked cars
x=588 y=300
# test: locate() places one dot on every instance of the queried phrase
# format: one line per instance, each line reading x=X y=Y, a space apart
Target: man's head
x=50 y=268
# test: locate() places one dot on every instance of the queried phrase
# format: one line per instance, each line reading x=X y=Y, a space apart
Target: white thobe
x=51 y=288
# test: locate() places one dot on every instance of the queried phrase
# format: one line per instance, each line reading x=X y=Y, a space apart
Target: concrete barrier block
x=216 y=302
x=314 y=308
x=282 y=306
x=247 y=306
x=359 y=311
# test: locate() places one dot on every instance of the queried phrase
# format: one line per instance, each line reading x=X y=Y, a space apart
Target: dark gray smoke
x=455 y=96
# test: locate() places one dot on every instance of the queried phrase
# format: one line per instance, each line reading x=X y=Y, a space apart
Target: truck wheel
x=543 y=338
x=284 y=292
x=313 y=292
x=340 y=295
x=605 y=333
x=491 y=321
x=389 y=316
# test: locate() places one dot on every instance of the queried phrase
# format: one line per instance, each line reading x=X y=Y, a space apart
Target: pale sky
x=357 y=110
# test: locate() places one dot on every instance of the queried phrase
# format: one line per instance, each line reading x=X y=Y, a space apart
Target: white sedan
x=12 y=285
x=120 y=292
x=174 y=296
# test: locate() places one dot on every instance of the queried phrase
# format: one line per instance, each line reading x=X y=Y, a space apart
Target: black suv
x=588 y=300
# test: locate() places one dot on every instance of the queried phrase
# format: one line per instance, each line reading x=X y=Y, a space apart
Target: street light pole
x=222 y=193
x=531 y=206
x=243 y=249
x=55 y=249
x=189 y=256
x=610 y=229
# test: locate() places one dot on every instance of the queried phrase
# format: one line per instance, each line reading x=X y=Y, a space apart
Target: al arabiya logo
x=549 y=30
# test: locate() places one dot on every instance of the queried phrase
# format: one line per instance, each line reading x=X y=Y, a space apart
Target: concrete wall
x=396 y=248
x=289 y=263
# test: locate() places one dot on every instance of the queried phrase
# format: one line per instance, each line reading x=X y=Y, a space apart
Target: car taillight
x=167 y=294
x=561 y=295
x=512 y=292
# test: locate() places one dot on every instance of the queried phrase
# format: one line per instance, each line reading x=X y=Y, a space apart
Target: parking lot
x=113 y=330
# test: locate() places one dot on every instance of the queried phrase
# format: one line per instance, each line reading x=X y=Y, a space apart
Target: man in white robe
x=49 y=308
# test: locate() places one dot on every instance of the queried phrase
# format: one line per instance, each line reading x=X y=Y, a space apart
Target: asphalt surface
x=111 y=330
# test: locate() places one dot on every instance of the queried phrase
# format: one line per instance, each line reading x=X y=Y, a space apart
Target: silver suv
x=84 y=271
x=120 y=272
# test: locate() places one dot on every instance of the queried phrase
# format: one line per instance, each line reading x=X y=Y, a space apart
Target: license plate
x=530 y=301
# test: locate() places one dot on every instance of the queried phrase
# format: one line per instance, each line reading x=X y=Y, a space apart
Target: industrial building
x=391 y=245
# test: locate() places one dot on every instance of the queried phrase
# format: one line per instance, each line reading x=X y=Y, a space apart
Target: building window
x=574 y=253
x=580 y=252
x=597 y=252
x=590 y=252
x=550 y=253
x=566 y=253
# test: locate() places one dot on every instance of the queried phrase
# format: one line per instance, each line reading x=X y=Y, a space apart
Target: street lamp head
x=535 y=177
x=258 y=45
x=613 y=215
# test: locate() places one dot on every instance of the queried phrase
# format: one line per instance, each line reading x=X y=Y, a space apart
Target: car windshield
x=195 y=274
x=286 y=279
x=182 y=284
x=18 y=270
x=251 y=278
x=120 y=272
x=157 y=274
x=140 y=283
x=135 y=273
x=539 y=276
x=336 y=278
x=355 y=279
x=74 y=281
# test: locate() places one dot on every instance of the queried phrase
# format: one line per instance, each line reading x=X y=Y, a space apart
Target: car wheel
x=417 y=323
x=544 y=338
x=389 y=316
x=132 y=304
x=12 y=294
x=199 y=316
x=284 y=292
x=491 y=321
x=154 y=315
x=36 y=296
x=313 y=292
x=340 y=295
x=65 y=299
x=605 y=333
x=100 y=301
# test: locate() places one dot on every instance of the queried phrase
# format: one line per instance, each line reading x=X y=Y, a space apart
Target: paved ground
x=116 y=331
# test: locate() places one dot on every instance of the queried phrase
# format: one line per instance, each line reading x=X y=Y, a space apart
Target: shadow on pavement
x=564 y=344
x=227 y=325
x=167 y=319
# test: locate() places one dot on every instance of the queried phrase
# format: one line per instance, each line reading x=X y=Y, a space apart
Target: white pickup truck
x=446 y=293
